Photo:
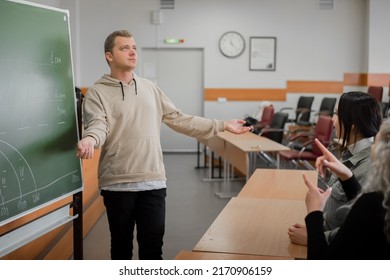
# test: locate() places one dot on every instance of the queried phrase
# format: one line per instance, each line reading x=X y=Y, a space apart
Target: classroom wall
x=379 y=39
x=312 y=44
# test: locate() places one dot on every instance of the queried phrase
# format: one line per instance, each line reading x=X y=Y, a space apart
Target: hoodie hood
x=107 y=80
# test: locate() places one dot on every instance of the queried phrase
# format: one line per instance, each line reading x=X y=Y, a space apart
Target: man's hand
x=236 y=126
x=86 y=147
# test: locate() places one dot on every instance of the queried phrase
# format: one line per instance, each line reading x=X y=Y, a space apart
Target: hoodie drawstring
x=123 y=93
x=135 y=84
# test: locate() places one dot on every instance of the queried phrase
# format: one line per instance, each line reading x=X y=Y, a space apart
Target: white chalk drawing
x=25 y=194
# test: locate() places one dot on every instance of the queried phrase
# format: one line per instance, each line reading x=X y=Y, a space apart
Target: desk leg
x=198 y=166
x=228 y=177
x=198 y=155
x=252 y=165
x=211 y=170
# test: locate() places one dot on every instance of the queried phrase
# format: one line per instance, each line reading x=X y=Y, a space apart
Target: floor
x=192 y=206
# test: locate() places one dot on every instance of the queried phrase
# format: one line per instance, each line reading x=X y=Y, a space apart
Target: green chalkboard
x=38 y=122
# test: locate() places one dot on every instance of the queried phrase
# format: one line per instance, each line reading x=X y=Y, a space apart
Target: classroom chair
x=303 y=109
x=274 y=132
x=385 y=106
x=376 y=91
x=266 y=119
x=326 y=108
x=309 y=152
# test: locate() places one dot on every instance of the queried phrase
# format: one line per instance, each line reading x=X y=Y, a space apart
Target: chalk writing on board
x=15 y=171
x=20 y=172
x=55 y=59
x=38 y=124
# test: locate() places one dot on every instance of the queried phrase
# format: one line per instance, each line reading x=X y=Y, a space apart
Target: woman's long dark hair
x=361 y=110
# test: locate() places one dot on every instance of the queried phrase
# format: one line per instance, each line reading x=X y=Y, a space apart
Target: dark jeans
x=146 y=210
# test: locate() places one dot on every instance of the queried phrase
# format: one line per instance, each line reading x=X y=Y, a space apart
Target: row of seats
x=303 y=109
x=271 y=125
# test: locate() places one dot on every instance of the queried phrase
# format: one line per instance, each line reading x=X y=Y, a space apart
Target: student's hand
x=86 y=147
x=328 y=160
x=298 y=234
x=315 y=197
x=236 y=126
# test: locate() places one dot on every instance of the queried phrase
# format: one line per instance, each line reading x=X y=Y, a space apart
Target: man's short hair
x=110 y=41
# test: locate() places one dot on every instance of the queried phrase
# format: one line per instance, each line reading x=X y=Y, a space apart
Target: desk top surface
x=191 y=255
x=277 y=184
x=255 y=226
x=249 y=142
x=226 y=135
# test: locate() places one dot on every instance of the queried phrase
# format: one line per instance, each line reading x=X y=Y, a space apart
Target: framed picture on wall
x=262 y=53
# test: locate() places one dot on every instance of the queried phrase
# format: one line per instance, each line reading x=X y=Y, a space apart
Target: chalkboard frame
x=66 y=110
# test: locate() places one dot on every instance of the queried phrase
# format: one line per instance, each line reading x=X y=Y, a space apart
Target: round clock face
x=232 y=44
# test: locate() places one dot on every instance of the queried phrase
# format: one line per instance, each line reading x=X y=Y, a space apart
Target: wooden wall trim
x=315 y=86
x=378 y=80
x=294 y=86
x=364 y=79
x=244 y=94
x=84 y=90
x=355 y=79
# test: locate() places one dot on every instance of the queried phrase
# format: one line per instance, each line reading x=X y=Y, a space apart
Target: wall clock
x=232 y=44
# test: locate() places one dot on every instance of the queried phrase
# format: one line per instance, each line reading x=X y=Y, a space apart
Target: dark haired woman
x=365 y=233
x=356 y=121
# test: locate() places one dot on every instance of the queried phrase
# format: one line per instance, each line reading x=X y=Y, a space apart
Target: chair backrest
x=385 y=106
x=278 y=122
x=323 y=132
x=377 y=92
x=304 y=108
x=268 y=113
x=327 y=106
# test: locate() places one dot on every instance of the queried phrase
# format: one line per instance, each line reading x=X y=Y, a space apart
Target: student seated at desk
x=365 y=233
x=356 y=121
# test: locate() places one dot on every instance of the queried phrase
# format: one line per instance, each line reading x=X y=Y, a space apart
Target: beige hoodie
x=125 y=120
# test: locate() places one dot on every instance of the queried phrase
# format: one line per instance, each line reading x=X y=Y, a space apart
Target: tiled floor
x=192 y=205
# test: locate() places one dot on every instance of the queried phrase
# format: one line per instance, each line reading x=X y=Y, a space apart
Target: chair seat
x=299 y=146
x=294 y=154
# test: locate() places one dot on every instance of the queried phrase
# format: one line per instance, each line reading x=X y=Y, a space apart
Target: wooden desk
x=191 y=255
x=240 y=150
x=252 y=226
x=277 y=184
x=217 y=146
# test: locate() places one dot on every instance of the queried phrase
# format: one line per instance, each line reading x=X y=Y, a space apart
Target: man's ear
x=108 y=56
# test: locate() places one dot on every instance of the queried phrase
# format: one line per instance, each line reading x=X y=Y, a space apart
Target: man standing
x=122 y=115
